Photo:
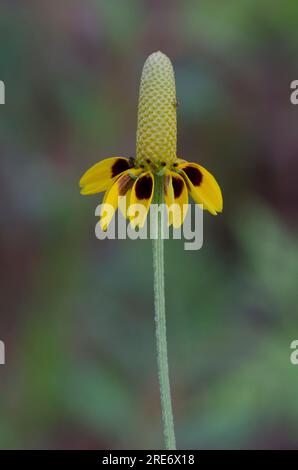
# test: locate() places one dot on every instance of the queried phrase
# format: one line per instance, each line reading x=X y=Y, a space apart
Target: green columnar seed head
x=157 y=123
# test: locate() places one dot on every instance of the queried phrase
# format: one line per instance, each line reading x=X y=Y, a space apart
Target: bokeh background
x=77 y=313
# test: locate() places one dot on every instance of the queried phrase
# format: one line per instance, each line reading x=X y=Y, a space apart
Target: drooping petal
x=100 y=176
x=140 y=200
x=202 y=186
x=176 y=198
x=120 y=187
x=124 y=201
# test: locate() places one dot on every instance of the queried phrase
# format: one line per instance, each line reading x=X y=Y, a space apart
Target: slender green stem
x=160 y=322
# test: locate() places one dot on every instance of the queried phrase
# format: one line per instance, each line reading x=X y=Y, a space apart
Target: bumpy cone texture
x=157 y=123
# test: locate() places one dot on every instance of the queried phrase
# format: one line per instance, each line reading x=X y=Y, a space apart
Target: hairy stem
x=160 y=323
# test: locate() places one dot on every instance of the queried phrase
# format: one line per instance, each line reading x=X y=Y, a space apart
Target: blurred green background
x=77 y=313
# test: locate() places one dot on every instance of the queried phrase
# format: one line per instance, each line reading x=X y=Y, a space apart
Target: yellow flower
x=133 y=178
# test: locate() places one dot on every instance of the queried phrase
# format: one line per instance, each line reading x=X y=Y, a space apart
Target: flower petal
x=124 y=204
x=176 y=198
x=99 y=177
x=203 y=187
x=110 y=202
x=140 y=200
x=124 y=201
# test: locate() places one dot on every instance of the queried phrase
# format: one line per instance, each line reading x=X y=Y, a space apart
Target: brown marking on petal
x=125 y=182
x=194 y=175
x=144 y=187
x=120 y=165
x=166 y=184
x=178 y=186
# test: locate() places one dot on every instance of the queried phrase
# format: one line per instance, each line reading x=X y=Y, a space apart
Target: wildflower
x=155 y=171
x=133 y=178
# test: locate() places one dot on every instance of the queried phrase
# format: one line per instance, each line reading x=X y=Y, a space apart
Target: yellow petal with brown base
x=140 y=200
x=202 y=186
x=100 y=176
x=176 y=198
x=119 y=189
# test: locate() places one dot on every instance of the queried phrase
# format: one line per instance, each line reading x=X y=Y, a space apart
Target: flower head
x=133 y=178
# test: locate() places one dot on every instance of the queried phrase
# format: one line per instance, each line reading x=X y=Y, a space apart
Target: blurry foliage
x=77 y=314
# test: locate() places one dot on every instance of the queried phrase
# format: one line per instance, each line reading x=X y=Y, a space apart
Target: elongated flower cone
x=157 y=123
